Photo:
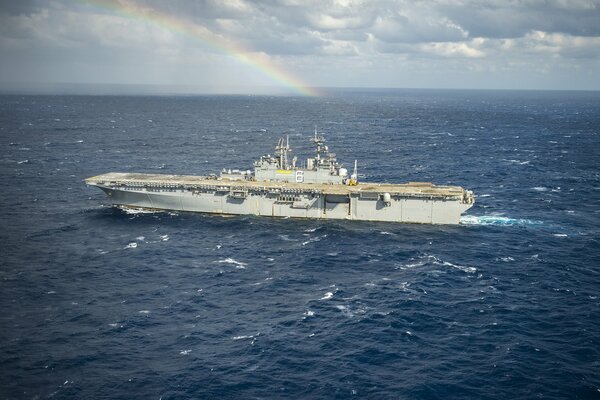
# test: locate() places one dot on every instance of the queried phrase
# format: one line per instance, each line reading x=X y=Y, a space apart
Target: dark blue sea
x=100 y=303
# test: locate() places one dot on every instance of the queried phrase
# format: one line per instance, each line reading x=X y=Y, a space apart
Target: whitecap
x=519 y=162
x=146 y=312
x=134 y=211
x=164 y=238
x=327 y=296
x=539 y=188
x=23 y=162
x=229 y=260
x=140 y=238
x=385 y=233
x=495 y=220
x=185 y=352
x=286 y=238
x=131 y=245
x=560 y=234
x=468 y=270
x=349 y=312
x=312 y=240
x=243 y=337
x=437 y=261
x=308 y=313
x=412 y=265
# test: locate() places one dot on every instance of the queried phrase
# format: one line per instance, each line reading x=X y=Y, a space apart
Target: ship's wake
x=136 y=211
x=498 y=220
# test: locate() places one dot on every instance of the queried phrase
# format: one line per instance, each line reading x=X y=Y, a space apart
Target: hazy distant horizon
x=192 y=90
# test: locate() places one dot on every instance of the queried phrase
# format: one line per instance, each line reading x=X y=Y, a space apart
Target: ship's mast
x=282 y=150
x=321 y=147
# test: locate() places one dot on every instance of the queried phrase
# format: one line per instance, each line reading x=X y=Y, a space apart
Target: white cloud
x=447 y=49
x=342 y=42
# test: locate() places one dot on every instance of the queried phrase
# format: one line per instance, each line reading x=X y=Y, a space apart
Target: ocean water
x=103 y=303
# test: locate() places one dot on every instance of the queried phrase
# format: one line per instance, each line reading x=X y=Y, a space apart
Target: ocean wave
x=327 y=296
x=433 y=260
x=351 y=312
x=496 y=220
x=229 y=260
x=135 y=211
x=315 y=239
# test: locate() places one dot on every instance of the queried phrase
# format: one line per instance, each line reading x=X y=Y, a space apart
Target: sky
x=299 y=46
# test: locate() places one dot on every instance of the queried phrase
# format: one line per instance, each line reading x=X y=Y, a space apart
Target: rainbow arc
x=258 y=62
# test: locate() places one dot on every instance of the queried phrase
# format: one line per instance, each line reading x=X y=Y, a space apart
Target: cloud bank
x=389 y=43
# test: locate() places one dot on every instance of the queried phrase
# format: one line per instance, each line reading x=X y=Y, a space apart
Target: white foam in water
x=539 y=188
x=350 y=312
x=144 y=312
x=517 y=162
x=468 y=270
x=230 y=260
x=140 y=238
x=315 y=239
x=185 y=352
x=164 y=238
x=560 y=234
x=135 y=211
x=495 y=220
x=327 y=296
x=426 y=259
x=131 y=245
x=286 y=238
x=243 y=337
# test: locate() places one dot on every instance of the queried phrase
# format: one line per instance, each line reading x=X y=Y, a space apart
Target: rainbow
x=205 y=37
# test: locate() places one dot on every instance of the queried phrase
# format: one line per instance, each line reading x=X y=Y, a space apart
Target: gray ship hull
x=409 y=203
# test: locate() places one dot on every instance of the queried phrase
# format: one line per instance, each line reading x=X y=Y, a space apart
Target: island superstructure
x=320 y=188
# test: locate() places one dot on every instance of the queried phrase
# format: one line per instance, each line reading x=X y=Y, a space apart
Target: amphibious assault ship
x=320 y=188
